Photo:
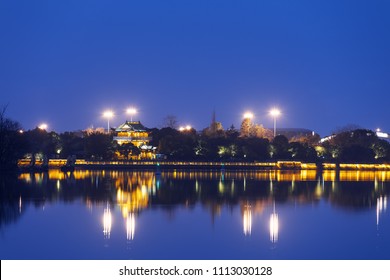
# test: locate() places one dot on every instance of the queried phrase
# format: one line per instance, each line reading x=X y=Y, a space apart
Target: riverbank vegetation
x=248 y=144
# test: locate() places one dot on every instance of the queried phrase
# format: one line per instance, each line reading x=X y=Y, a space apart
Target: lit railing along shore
x=56 y=163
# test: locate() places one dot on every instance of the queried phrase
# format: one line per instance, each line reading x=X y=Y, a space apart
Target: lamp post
x=275 y=113
x=131 y=112
x=108 y=115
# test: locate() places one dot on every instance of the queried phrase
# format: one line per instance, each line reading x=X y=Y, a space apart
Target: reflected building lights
x=107 y=222
x=20 y=204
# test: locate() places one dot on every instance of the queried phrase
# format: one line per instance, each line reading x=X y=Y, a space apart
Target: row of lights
x=274 y=112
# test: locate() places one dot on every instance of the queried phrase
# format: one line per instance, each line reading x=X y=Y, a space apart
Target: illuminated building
x=135 y=133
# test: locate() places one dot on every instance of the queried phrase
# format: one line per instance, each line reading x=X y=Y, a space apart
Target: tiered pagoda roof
x=131 y=126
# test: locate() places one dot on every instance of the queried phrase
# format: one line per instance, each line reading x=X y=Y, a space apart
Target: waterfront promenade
x=85 y=164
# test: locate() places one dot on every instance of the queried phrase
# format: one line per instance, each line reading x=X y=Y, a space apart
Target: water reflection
x=130 y=226
x=274 y=226
x=247 y=219
x=107 y=222
x=381 y=207
x=252 y=191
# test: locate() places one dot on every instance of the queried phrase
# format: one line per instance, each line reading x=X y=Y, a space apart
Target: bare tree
x=170 y=121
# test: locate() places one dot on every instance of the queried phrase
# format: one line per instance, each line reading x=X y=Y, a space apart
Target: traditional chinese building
x=135 y=133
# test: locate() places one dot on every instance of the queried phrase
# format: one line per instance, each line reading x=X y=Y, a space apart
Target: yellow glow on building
x=135 y=133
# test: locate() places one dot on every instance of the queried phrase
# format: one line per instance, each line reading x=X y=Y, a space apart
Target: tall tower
x=213 y=126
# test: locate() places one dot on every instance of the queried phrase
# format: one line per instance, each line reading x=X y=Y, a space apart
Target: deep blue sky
x=325 y=64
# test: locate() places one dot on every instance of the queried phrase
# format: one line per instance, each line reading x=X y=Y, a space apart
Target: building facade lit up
x=135 y=133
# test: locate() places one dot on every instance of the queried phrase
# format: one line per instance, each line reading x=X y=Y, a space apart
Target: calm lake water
x=195 y=215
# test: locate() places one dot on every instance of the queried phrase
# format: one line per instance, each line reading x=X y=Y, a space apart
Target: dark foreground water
x=195 y=215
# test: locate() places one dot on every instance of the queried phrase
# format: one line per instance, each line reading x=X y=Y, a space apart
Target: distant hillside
x=292 y=132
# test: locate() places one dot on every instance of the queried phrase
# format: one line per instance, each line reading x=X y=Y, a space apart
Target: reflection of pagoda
x=135 y=133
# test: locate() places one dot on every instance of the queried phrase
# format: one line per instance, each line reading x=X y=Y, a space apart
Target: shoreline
x=169 y=165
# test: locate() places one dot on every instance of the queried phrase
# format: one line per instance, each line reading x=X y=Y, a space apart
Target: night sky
x=324 y=64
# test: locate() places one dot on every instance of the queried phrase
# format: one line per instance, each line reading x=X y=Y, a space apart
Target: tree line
x=249 y=143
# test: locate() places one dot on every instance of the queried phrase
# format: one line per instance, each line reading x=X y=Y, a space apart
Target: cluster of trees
x=250 y=143
x=358 y=146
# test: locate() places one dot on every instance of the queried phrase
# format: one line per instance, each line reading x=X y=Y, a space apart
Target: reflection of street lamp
x=130 y=226
x=131 y=112
x=274 y=226
x=108 y=115
x=247 y=219
x=274 y=113
x=107 y=222
x=43 y=126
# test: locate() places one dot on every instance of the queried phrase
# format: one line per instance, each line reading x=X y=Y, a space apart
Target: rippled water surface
x=195 y=215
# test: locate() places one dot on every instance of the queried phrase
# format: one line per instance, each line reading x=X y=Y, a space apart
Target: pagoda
x=135 y=133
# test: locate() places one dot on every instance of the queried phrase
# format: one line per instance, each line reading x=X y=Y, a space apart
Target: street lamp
x=131 y=112
x=108 y=114
x=248 y=115
x=43 y=126
x=185 y=128
x=274 y=113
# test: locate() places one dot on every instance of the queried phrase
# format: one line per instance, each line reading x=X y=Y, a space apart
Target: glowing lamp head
x=43 y=126
x=274 y=112
x=108 y=114
x=131 y=111
x=188 y=127
x=248 y=115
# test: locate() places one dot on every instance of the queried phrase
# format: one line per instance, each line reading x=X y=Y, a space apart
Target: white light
x=43 y=126
x=274 y=228
x=107 y=222
x=248 y=115
x=274 y=112
x=130 y=226
x=188 y=127
x=247 y=220
x=382 y=134
x=131 y=111
x=108 y=114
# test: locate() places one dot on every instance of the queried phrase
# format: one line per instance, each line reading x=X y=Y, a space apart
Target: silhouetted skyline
x=323 y=64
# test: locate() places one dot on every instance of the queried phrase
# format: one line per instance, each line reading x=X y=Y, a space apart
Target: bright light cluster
x=185 y=128
x=274 y=112
x=108 y=114
x=43 y=126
